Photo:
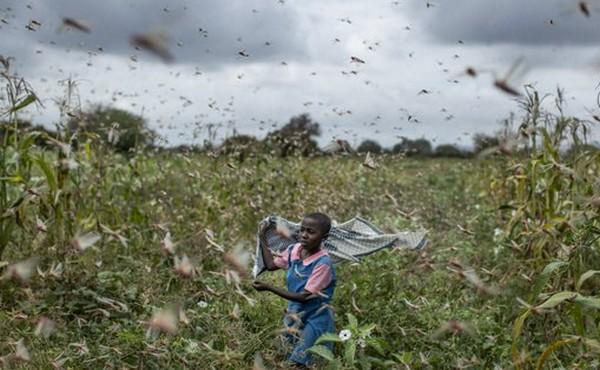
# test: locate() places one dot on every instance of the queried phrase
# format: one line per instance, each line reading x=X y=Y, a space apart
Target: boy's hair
x=322 y=219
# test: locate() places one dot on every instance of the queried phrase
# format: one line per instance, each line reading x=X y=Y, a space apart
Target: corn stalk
x=553 y=196
x=15 y=163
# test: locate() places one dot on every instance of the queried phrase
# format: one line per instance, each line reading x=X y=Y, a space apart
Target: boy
x=310 y=282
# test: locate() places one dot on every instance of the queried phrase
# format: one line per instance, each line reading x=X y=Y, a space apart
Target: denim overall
x=316 y=317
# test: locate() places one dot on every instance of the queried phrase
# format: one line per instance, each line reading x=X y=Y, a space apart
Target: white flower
x=202 y=304
x=362 y=343
x=345 y=335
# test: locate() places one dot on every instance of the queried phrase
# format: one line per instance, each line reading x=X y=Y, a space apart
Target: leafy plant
x=554 y=222
x=355 y=341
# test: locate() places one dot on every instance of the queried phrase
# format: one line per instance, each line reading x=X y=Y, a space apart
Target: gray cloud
x=206 y=33
x=508 y=21
x=403 y=46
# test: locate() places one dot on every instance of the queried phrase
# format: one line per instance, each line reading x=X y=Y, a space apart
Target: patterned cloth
x=349 y=241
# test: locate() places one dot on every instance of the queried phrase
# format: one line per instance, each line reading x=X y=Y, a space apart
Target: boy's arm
x=297 y=297
x=266 y=252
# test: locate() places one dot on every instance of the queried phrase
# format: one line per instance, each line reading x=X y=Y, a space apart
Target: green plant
x=355 y=341
x=15 y=158
x=553 y=224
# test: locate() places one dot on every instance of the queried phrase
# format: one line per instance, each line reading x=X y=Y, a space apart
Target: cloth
x=321 y=275
x=348 y=241
x=309 y=320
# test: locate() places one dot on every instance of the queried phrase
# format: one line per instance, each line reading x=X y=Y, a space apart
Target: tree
x=369 y=146
x=295 y=138
x=448 y=150
x=418 y=147
x=185 y=149
x=116 y=127
x=483 y=141
x=240 y=146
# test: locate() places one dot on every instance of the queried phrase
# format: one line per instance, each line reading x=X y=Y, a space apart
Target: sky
x=378 y=70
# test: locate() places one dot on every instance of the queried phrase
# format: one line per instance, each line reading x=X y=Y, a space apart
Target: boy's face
x=311 y=233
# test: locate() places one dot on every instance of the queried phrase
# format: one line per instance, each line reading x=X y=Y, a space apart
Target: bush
x=371 y=146
x=419 y=147
x=449 y=150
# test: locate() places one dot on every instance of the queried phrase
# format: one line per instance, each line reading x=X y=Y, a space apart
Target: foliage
x=554 y=222
x=21 y=128
x=355 y=342
x=15 y=158
x=295 y=138
x=114 y=286
x=483 y=141
x=370 y=146
x=94 y=242
x=576 y=149
x=117 y=128
x=418 y=147
x=448 y=150
x=240 y=146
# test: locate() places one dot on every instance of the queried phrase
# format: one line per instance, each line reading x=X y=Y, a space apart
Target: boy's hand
x=260 y=286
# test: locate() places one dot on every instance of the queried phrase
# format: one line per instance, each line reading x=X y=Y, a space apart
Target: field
x=187 y=196
x=118 y=261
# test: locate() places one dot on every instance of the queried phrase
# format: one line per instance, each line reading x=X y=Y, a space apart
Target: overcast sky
x=297 y=57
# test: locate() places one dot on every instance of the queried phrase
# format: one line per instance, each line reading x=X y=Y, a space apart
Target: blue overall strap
x=290 y=255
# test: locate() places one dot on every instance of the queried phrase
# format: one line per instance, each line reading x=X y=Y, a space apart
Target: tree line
x=125 y=132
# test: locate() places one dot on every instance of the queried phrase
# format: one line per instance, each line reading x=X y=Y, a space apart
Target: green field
x=407 y=295
x=189 y=195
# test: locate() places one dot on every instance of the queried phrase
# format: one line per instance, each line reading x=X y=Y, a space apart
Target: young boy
x=310 y=281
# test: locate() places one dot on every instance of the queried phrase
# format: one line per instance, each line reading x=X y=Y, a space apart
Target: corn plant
x=554 y=218
x=15 y=158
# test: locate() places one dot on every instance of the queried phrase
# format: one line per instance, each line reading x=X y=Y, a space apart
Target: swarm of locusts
x=142 y=259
